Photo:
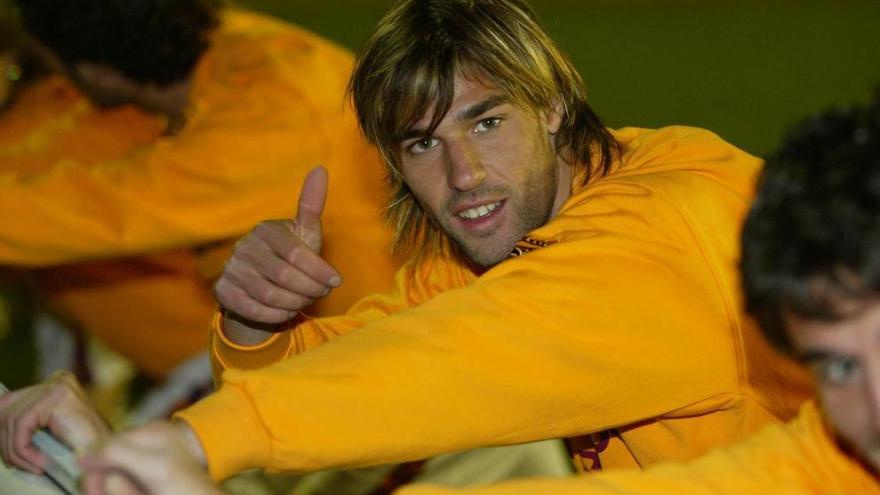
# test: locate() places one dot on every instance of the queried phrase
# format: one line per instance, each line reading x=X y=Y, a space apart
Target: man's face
x=844 y=356
x=489 y=173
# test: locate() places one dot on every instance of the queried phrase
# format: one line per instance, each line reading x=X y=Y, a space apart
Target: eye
x=838 y=371
x=487 y=125
x=422 y=145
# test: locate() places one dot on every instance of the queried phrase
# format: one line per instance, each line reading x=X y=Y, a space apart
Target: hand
x=276 y=270
x=159 y=458
x=58 y=404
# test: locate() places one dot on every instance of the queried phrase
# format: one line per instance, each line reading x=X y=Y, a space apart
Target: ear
x=555 y=114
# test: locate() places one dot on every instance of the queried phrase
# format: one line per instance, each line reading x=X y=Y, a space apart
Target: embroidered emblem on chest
x=527 y=245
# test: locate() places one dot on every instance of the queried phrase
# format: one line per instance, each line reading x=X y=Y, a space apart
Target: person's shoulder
x=274 y=70
x=673 y=148
x=804 y=452
x=665 y=178
x=240 y=25
x=683 y=164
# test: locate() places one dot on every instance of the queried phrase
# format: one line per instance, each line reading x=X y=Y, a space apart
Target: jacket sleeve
x=212 y=182
x=795 y=458
x=413 y=284
x=620 y=321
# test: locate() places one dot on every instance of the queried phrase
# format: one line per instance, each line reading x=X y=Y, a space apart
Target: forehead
x=468 y=90
x=857 y=326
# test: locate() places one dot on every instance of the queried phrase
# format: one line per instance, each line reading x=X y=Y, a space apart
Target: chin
x=487 y=257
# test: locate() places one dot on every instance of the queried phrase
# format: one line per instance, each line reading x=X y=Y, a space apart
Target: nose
x=464 y=167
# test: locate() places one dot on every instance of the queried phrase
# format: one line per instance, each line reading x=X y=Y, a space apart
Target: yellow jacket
x=129 y=228
x=625 y=317
x=800 y=457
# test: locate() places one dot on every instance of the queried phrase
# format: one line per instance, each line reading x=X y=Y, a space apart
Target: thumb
x=307 y=224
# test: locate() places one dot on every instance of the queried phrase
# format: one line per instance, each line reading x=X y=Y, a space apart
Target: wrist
x=245 y=332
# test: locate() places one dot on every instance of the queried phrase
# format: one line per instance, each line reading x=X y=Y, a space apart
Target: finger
x=244 y=277
x=238 y=301
x=296 y=253
x=23 y=452
x=285 y=276
x=312 y=198
x=73 y=419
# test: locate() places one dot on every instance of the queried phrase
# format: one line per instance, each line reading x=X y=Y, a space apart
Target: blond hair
x=408 y=66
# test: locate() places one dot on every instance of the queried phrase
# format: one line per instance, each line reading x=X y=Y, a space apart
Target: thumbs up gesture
x=276 y=270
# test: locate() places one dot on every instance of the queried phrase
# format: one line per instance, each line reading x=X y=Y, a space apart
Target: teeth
x=479 y=211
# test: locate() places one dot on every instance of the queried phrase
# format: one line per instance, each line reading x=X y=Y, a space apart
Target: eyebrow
x=468 y=113
x=813 y=356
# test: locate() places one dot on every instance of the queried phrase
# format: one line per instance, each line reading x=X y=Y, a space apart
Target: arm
x=798 y=457
x=535 y=348
x=182 y=191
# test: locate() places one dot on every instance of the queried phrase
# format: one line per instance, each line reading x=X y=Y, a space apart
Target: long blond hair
x=408 y=66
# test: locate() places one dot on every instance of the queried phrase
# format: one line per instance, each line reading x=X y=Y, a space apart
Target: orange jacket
x=800 y=457
x=627 y=322
x=129 y=228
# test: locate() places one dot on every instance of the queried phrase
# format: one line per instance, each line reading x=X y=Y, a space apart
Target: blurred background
x=744 y=69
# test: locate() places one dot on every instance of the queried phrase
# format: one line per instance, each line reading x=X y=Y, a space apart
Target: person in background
x=167 y=130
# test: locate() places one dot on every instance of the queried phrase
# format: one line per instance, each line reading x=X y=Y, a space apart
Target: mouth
x=478 y=212
x=481 y=219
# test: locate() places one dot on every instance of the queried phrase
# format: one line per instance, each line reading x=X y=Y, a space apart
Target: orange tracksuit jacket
x=801 y=457
x=126 y=229
x=621 y=325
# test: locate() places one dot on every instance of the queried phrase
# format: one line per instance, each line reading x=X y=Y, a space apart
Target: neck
x=563 y=186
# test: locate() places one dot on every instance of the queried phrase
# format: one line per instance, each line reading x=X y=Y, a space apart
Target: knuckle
x=250 y=310
x=285 y=275
x=297 y=254
x=266 y=227
x=261 y=228
x=266 y=294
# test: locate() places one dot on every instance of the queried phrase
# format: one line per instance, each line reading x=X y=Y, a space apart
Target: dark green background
x=745 y=69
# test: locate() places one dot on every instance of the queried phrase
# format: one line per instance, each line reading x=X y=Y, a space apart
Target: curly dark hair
x=813 y=234
x=149 y=41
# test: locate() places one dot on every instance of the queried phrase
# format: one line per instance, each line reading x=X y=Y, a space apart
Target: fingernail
x=326 y=291
x=335 y=281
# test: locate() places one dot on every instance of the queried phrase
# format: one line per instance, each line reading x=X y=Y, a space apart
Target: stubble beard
x=532 y=209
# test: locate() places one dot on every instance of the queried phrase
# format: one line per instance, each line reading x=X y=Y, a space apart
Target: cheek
x=848 y=412
x=425 y=184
